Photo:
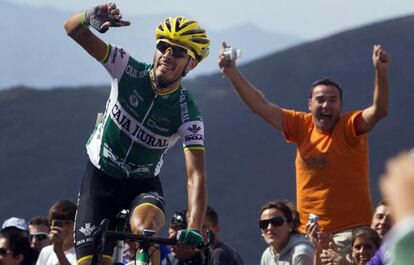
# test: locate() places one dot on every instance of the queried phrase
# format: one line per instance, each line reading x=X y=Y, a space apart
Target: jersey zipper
x=132 y=141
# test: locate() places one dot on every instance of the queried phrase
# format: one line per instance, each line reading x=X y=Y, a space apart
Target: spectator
x=39 y=232
x=382 y=219
x=181 y=254
x=15 y=250
x=129 y=251
x=397 y=186
x=332 y=149
x=223 y=253
x=364 y=245
x=279 y=230
x=365 y=242
x=321 y=240
x=381 y=223
x=62 y=251
x=16 y=225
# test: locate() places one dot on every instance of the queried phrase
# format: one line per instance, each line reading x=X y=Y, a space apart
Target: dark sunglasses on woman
x=275 y=221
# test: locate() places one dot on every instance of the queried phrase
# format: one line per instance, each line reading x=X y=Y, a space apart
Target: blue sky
x=303 y=18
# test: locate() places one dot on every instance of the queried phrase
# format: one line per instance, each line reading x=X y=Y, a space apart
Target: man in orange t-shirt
x=332 y=150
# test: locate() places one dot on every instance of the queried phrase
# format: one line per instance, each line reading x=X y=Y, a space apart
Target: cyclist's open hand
x=190 y=237
x=104 y=16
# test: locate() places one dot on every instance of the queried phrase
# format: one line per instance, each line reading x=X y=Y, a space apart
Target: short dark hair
x=39 y=220
x=212 y=215
x=327 y=82
x=286 y=207
x=62 y=210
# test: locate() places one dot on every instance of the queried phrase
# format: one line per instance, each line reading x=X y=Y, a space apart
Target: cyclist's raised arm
x=101 y=18
x=196 y=187
x=253 y=97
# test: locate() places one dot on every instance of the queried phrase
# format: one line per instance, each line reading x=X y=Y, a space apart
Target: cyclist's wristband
x=83 y=20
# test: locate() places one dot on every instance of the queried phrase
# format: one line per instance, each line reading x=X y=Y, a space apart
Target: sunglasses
x=4 y=251
x=177 y=51
x=39 y=236
x=275 y=221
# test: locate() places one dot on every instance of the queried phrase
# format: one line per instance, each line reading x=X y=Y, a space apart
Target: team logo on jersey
x=194 y=129
x=196 y=133
x=131 y=71
x=136 y=131
x=185 y=115
x=160 y=120
x=152 y=124
x=88 y=229
x=122 y=52
x=115 y=54
x=134 y=101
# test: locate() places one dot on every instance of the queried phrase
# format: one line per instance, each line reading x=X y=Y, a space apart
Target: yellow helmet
x=184 y=32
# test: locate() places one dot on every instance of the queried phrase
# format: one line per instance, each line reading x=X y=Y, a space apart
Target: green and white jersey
x=139 y=126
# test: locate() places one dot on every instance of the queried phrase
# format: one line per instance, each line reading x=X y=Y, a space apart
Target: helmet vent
x=168 y=24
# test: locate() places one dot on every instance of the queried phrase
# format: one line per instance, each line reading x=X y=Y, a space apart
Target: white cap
x=19 y=223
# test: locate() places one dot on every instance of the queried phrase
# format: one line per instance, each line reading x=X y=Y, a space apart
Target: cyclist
x=147 y=111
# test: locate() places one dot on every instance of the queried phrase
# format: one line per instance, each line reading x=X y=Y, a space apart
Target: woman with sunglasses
x=15 y=250
x=279 y=223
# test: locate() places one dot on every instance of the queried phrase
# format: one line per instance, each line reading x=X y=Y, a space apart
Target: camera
x=313 y=218
x=230 y=53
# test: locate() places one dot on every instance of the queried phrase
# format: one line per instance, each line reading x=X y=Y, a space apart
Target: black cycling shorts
x=102 y=196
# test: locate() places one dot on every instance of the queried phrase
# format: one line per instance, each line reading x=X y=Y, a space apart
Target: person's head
x=382 y=219
x=278 y=221
x=325 y=103
x=211 y=224
x=39 y=232
x=178 y=222
x=15 y=225
x=15 y=250
x=62 y=214
x=181 y=44
x=365 y=242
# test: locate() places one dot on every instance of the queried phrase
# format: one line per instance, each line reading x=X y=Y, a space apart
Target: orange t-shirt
x=332 y=179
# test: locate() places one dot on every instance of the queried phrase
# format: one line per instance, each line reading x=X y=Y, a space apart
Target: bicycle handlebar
x=102 y=234
x=114 y=235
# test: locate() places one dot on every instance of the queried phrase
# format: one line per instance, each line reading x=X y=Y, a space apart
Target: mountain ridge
x=37 y=52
